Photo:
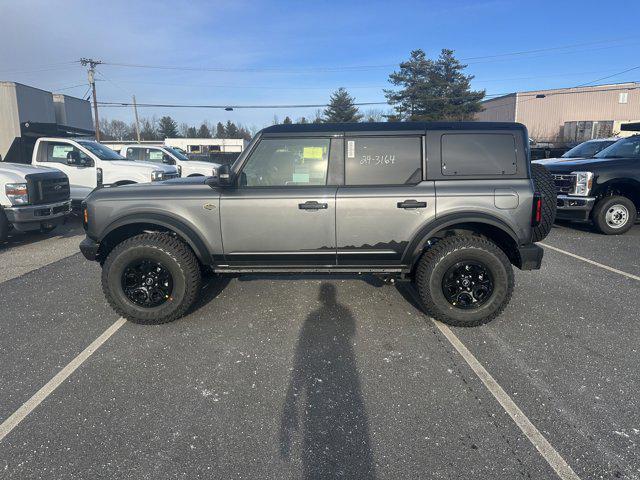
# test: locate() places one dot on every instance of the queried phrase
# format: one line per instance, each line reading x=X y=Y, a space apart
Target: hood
x=150 y=166
x=201 y=164
x=580 y=164
x=15 y=172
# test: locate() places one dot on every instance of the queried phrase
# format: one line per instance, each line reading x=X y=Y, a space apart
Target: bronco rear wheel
x=151 y=278
x=464 y=280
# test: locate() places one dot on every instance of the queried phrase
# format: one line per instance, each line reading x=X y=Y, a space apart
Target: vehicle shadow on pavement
x=71 y=228
x=324 y=401
x=212 y=286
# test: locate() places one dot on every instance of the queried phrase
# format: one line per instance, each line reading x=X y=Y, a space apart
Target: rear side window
x=383 y=160
x=133 y=153
x=478 y=154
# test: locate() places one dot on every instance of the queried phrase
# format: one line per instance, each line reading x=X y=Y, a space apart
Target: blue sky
x=289 y=52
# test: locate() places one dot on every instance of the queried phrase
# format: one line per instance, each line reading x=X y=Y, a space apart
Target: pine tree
x=433 y=90
x=203 y=131
x=192 y=132
x=220 y=131
x=167 y=127
x=341 y=108
x=287 y=120
x=231 y=130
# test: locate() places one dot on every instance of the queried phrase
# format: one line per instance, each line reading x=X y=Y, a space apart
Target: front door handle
x=412 y=204
x=312 y=205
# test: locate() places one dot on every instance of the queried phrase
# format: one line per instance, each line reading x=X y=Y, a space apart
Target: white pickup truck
x=89 y=164
x=169 y=156
x=32 y=198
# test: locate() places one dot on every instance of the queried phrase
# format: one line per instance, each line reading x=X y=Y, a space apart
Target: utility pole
x=135 y=112
x=92 y=81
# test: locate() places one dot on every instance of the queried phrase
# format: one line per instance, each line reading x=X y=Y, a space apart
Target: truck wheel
x=543 y=182
x=464 y=280
x=614 y=215
x=4 y=226
x=151 y=278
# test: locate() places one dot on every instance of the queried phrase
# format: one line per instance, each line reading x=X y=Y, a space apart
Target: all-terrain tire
x=543 y=182
x=4 y=226
x=172 y=254
x=449 y=252
x=606 y=204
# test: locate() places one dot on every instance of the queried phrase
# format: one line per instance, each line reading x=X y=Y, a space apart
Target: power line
x=352 y=67
x=605 y=78
x=229 y=106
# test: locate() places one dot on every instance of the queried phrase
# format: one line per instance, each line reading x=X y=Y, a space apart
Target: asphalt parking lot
x=316 y=377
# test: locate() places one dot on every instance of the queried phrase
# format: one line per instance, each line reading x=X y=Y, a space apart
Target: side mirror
x=168 y=160
x=73 y=158
x=225 y=175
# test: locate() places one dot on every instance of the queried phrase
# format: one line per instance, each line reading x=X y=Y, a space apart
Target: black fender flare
x=414 y=250
x=184 y=231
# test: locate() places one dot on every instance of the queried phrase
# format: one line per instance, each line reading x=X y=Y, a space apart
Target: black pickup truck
x=604 y=189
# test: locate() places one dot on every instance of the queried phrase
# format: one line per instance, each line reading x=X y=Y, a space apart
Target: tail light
x=536 y=214
x=99 y=178
x=85 y=215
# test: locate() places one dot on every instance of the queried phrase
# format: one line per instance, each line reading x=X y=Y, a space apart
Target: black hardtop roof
x=389 y=127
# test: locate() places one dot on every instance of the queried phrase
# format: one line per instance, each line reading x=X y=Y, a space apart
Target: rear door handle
x=312 y=205
x=412 y=204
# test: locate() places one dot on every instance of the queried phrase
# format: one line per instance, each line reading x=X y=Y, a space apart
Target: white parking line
x=16 y=417
x=553 y=458
x=606 y=267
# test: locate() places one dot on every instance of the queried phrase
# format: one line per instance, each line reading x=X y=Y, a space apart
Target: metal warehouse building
x=568 y=114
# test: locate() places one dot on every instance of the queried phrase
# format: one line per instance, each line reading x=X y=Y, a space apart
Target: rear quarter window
x=383 y=160
x=465 y=154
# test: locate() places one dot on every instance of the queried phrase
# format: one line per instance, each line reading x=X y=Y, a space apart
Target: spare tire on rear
x=543 y=182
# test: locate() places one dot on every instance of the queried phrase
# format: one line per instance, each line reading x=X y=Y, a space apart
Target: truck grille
x=169 y=176
x=564 y=183
x=47 y=187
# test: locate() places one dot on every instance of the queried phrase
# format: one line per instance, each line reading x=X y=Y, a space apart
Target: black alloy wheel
x=147 y=283
x=467 y=285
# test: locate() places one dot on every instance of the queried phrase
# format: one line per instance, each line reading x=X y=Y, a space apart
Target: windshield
x=588 y=149
x=176 y=153
x=625 y=148
x=100 y=151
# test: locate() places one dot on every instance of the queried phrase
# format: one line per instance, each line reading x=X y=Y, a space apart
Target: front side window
x=624 y=148
x=383 y=160
x=587 y=149
x=283 y=162
x=154 y=155
x=61 y=152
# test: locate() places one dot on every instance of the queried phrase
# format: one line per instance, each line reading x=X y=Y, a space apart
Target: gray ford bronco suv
x=450 y=206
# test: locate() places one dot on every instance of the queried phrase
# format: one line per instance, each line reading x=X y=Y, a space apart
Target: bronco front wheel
x=151 y=278
x=464 y=280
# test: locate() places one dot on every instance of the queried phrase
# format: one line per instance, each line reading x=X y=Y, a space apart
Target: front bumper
x=530 y=257
x=574 y=208
x=32 y=217
x=89 y=248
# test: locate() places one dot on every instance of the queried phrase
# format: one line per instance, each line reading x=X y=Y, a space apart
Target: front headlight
x=157 y=175
x=584 y=182
x=17 y=193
